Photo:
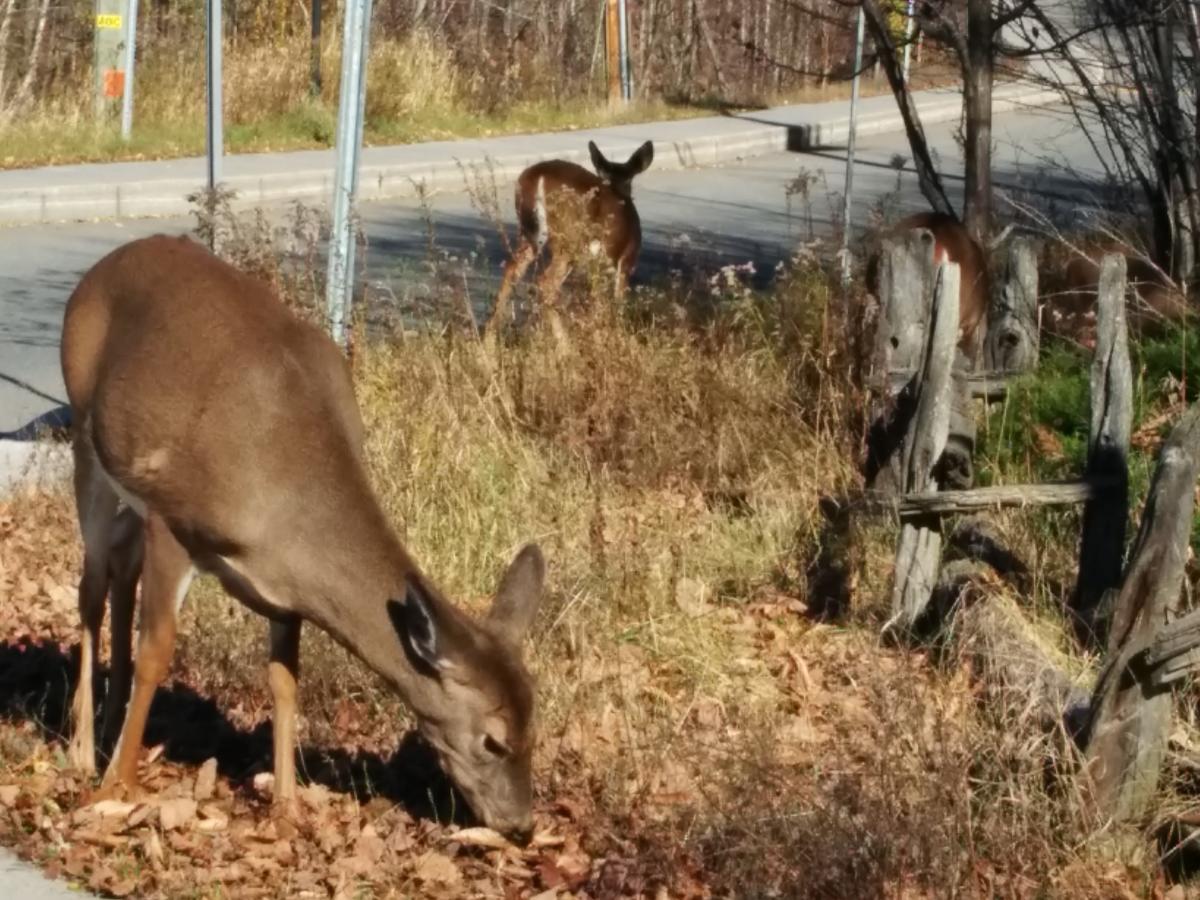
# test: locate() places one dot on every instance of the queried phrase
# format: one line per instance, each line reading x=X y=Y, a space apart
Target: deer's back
x=183 y=371
x=953 y=243
x=570 y=191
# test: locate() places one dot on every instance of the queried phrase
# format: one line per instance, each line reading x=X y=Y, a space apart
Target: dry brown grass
x=701 y=733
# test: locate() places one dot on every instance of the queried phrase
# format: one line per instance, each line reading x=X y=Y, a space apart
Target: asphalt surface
x=21 y=881
x=700 y=218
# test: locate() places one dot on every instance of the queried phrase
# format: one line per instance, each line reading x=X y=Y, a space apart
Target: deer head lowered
x=544 y=194
x=230 y=429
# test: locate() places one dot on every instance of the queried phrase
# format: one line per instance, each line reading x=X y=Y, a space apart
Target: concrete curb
x=33 y=465
x=444 y=165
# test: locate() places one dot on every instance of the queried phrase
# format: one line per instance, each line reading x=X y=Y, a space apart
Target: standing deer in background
x=604 y=200
x=952 y=243
x=229 y=427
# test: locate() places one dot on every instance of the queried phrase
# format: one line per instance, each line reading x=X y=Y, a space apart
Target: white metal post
x=130 y=57
x=340 y=280
x=215 y=144
x=627 y=73
x=848 y=198
x=908 y=30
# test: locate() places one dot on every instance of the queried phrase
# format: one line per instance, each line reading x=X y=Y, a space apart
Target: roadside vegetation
x=707 y=727
x=433 y=74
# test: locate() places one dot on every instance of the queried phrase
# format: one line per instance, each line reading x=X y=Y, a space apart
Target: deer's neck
x=346 y=587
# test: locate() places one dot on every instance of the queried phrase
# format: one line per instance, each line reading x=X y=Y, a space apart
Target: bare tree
x=1134 y=82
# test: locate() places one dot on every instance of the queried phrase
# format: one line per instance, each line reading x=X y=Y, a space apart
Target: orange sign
x=114 y=83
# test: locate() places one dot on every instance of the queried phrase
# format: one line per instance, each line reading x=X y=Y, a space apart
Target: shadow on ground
x=37 y=679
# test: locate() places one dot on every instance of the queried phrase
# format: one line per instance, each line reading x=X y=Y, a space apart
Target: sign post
x=215 y=143
x=130 y=60
x=340 y=280
x=908 y=30
x=107 y=60
x=848 y=199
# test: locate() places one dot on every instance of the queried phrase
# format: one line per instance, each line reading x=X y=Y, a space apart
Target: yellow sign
x=108 y=20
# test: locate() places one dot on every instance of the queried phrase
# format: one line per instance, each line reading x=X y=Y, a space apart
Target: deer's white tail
x=542 y=230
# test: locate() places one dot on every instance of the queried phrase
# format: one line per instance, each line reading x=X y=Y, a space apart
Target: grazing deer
x=230 y=428
x=1153 y=303
x=604 y=200
x=952 y=243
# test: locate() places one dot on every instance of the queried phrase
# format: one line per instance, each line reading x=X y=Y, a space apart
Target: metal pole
x=130 y=57
x=107 y=55
x=908 y=30
x=849 y=190
x=623 y=43
x=215 y=145
x=340 y=280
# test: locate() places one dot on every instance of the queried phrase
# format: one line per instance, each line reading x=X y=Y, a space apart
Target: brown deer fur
x=545 y=193
x=1153 y=303
x=230 y=428
x=953 y=243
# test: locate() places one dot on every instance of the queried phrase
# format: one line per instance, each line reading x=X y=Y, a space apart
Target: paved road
x=706 y=218
x=20 y=880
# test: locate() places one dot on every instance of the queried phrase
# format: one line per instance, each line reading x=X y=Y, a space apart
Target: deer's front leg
x=166 y=575
x=282 y=673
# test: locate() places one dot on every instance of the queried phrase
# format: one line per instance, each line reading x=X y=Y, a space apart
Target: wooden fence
x=918 y=469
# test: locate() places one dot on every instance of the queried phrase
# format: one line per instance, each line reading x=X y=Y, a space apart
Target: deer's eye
x=495 y=747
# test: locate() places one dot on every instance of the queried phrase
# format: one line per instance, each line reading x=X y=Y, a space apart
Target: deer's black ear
x=641 y=159
x=599 y=162
x=415 y=621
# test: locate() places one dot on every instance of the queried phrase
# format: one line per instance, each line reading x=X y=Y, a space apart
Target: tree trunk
x=977 y=98
x=5 y=36
x=25 y=91
x=928 y=178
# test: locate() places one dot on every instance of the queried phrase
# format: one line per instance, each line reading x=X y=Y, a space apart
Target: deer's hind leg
x=549 y=287
x=125 y=569
x=96 y=505
x=514 y=271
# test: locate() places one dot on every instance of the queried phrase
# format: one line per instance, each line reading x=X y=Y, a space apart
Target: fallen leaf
x=9 y=794
x=264 y=783
x=153 y=848
x=175 y=813
x=123 y=888
x=480 y=837
x=206 y=780
x=111 y=809
x=437 y=868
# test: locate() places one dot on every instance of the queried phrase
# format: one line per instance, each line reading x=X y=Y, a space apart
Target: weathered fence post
x=1103 y=536
x=1012 y=335
x=1130 y=717
x=906 y=281
x=957 y=466
x=919 y=551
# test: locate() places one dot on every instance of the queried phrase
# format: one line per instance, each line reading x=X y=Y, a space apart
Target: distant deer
x=954 y=244
x=229 y=428
x=545 y=191
x=1153 y=303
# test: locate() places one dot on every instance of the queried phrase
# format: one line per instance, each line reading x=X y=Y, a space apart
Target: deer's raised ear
x=599 y=162
x=520 y=594
x=416 y=622
x=641 y=159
